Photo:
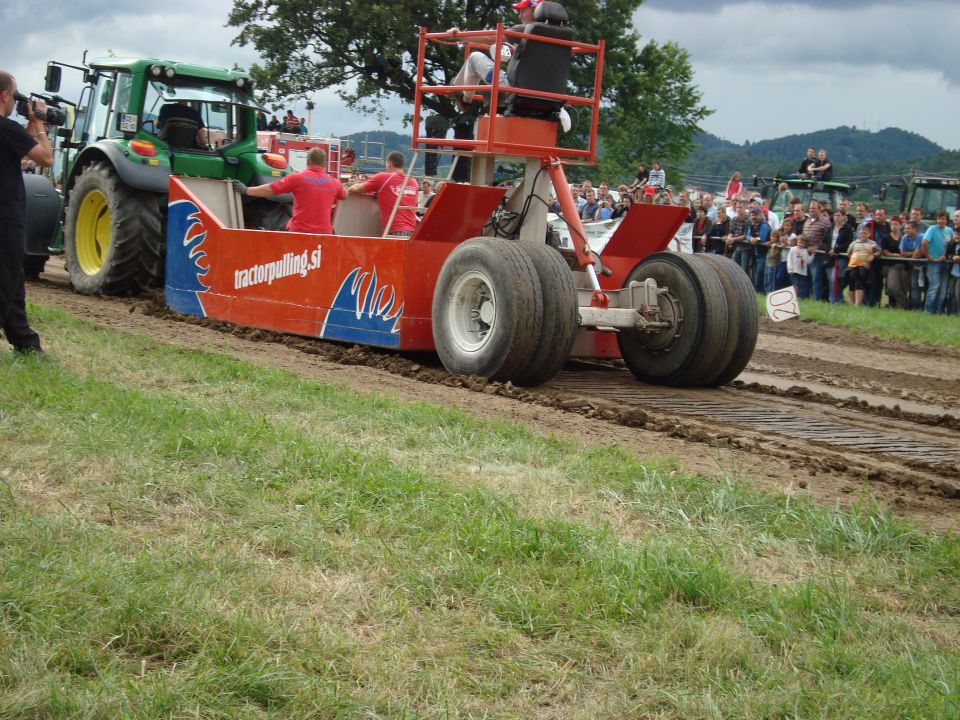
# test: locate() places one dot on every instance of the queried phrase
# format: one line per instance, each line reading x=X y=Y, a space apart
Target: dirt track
x=819 y=410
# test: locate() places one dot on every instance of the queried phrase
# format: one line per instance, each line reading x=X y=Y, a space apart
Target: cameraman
x=16 y=143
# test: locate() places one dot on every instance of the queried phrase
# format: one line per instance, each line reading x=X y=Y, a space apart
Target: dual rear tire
x=506 y=310
x=711 y=306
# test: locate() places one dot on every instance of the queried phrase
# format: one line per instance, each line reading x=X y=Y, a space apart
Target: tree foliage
x=366 y=52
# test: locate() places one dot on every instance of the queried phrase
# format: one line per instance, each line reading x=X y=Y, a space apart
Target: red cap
x=525 y=4
x=649 y=190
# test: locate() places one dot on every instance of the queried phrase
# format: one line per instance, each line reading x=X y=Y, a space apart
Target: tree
x=367 y=52
x=655 y=114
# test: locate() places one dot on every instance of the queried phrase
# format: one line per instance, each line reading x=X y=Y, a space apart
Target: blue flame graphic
x=364 y=312
x=186 y=270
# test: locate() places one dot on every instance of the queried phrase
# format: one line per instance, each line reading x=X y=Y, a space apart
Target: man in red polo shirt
x=387 y=186
x=314 y=194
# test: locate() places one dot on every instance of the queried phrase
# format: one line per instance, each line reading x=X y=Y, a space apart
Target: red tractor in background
x=478 y=281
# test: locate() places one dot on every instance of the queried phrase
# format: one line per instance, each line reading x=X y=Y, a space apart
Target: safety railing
x=492 y=139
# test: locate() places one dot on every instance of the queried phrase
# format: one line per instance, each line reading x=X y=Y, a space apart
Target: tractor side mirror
x=52 y=81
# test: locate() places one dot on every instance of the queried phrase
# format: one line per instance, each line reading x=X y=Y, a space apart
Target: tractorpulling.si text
x=290 y=264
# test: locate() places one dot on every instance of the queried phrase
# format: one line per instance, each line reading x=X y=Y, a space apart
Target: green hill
x=855 y=153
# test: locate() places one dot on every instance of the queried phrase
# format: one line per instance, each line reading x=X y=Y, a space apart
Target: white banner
x=599 y=234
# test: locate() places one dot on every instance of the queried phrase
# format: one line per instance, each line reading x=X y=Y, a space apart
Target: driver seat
x=180 y=132
x=540 y=65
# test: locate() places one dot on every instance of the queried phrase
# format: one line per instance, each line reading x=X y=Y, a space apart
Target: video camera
x=53 y=115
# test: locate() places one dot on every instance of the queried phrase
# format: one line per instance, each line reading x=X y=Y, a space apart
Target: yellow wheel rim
x=93 y=232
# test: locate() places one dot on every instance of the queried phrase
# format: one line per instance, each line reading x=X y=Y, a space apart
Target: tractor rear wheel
x=112 y=235
x=743 y=319
x=696 y=307
x=267 y=214
x=487 y=309
x=560 y=318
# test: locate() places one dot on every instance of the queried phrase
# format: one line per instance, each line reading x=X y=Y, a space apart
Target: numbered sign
x=782 y=304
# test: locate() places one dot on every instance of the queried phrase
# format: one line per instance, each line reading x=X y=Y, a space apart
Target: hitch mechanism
x=635 y=307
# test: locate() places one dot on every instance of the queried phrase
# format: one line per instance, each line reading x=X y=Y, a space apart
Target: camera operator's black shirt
x=15 y=143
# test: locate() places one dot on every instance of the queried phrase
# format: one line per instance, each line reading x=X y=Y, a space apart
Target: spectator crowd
x=850 y=253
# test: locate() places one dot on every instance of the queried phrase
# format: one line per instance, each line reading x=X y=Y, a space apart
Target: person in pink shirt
x=315 y=193
x=386 y=186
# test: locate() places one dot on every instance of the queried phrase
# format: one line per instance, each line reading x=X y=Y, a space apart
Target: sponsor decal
x=364 y=311
x=289 y=265
x=187 y=263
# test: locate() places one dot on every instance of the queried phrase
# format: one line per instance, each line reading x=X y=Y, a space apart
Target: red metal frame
x=489 y=144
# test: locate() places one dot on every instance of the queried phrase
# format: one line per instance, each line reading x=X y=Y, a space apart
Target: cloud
x=812 y=65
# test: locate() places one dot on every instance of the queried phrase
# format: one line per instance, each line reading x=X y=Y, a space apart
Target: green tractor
x=137 y=122
x=827 y=192
x=927 y=193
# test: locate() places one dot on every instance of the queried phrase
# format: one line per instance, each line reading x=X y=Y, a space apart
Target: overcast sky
x=767 y=69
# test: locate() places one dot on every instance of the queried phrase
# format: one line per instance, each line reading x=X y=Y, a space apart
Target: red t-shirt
x=386 y=186
x=314 y=194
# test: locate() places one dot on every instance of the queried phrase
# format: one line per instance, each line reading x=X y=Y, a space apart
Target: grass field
x=882 y=322
x=186 y=535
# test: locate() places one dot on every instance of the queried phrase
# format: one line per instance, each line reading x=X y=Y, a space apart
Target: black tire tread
x=560 y=316
x=134 y=261
x=520 y=331
x=705 y=321
x=267 y=214
x=744 y=318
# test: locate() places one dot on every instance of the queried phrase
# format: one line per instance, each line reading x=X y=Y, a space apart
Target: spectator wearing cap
x=478 y=69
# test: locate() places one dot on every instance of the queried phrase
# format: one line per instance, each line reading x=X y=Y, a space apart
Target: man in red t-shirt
x=314 y=194
x=387 y=186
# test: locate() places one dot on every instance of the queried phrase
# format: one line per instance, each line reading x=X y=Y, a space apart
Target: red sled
x=482 y=281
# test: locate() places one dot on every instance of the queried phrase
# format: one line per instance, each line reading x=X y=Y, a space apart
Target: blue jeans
x=837 y=282
x=743 y=256
x=937 y=274
x=802 y=284
x=759 y=266
x=770 y=278
x=817 y=273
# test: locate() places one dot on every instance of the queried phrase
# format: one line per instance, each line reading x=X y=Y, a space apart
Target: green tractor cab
x=827 y=192
x=138 y=121
x=927 y=193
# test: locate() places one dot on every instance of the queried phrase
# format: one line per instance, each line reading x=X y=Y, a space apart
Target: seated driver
x=182 y=110
x=478 y=69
